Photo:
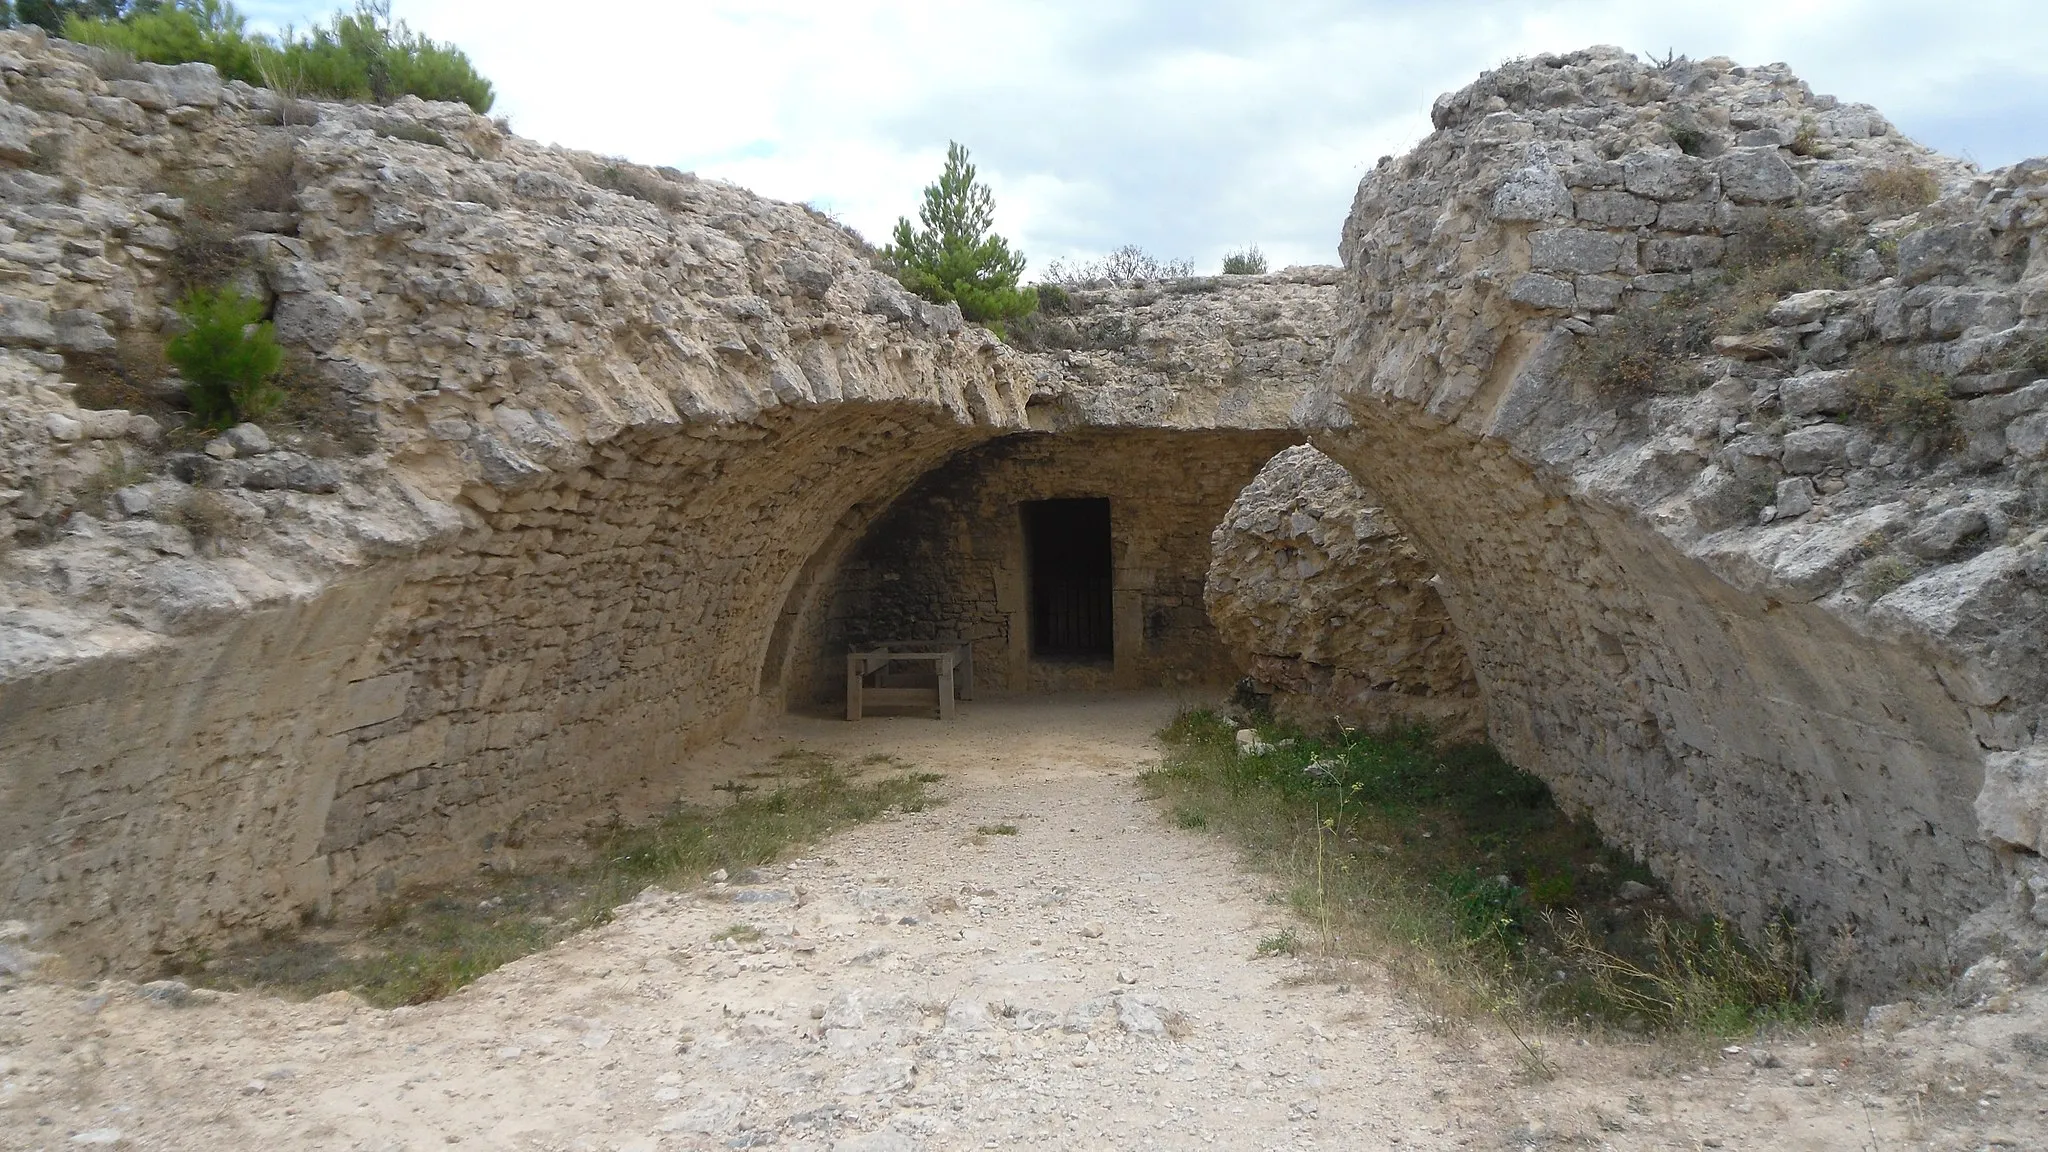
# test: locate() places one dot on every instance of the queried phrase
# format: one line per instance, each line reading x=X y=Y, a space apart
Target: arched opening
x=1069 y=561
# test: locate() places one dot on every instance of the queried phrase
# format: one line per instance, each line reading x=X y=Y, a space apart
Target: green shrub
x=360 y=55
x=51 y=15
x=1248 y=262
x=228 y=357
x=954 y=257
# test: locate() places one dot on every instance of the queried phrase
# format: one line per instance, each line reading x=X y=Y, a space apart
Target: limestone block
x=1756 y=176
x=1539 y=291
x=1530 y=194
x=1616 y=209
x=1664 y=175
x=366 y=702
x=25 y=321
x=1806 y=307
x=1816 y=393
x=105 y=423
x=2012 y=807
x=1574 y=250
x=1809 y=451
x=1794 y=497
x=1681 y=253
x=1600 y=293
x=317 y=320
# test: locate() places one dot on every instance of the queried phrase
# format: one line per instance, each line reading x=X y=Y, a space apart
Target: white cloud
x=1186 y=126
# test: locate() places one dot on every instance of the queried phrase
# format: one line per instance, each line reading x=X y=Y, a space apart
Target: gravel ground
x=1088 y=982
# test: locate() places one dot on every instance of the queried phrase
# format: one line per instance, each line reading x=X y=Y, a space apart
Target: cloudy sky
x=1189 y=127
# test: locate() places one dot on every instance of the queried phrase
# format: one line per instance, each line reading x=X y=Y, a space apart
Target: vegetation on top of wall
x=1656 y=345
x=359 y=55
x=955 y=258
x=1127 y=265
x=1245 y=262
x=1901 y=188
x=1458 y=872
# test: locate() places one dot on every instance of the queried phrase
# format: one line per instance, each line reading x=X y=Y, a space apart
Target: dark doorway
x=1067 y=546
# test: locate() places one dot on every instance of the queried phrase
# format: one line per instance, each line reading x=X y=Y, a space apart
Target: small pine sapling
x=228 y=356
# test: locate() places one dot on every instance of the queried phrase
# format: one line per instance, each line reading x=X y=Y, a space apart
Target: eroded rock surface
x=583 y=436
x=1331 y=607
x=1792 y=656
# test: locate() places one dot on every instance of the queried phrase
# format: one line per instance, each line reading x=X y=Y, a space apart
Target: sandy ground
x=1089 y=982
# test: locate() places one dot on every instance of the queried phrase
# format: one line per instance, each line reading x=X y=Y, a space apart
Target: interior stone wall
x=948 y=559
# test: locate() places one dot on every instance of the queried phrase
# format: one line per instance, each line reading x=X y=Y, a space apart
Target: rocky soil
x=1088 y=982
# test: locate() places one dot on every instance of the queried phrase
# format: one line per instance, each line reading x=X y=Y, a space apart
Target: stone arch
x=946 y=558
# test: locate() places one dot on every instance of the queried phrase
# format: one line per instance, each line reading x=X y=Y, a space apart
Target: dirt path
x=1088 y=982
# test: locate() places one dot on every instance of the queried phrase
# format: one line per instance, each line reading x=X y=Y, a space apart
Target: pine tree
x=955 y=257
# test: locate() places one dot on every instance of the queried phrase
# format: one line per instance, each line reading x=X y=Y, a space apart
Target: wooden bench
x=952 y=660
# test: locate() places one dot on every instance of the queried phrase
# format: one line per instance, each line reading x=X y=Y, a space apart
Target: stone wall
x=948 y=559
x=583 y=445
x=1783 y=651
x=1332 y=610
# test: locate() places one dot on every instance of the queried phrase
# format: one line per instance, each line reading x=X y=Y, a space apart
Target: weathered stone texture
x=1202 y=352
x=1329 y=606
x=948 y=559
x=598 y=435
x=1737 y=626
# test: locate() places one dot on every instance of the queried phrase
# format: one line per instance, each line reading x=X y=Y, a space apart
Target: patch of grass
x=1649 y=347
x=1911 y=405
x=1698 y=977
x=359 y=55
x=1806 y=140
x=205 y=514
x=996 y=830
x=2028 y=355
x=411 y=131
x=209 y=249
x=1459 y=873
x=96 y=496
x=1188 y=816
x=1900 y=188
x=435 y=940
x=1884 y=575
x=738 y=934
x=1285 y=942
x=1659 y=347
x=654 y=186
x=126 y=378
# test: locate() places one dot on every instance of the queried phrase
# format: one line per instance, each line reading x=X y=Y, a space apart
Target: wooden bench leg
x=853 y=678
x=946 y=688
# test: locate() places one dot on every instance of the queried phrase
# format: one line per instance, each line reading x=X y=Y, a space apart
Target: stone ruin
x=594 y=464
